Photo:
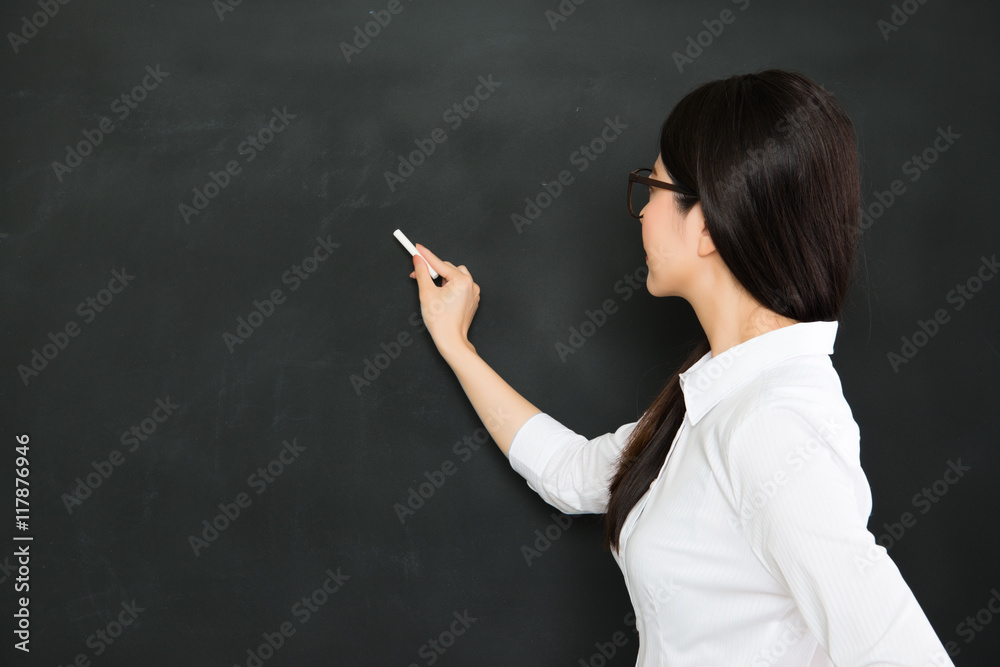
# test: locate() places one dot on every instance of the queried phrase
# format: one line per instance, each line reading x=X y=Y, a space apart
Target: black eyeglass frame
x=634 y=177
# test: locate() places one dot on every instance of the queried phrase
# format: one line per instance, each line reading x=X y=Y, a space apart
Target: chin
x=656 y=289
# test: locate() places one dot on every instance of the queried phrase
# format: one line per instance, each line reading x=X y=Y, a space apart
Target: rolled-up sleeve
x=567 y=470
x=803 y=501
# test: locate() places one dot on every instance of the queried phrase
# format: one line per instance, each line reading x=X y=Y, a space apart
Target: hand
x=447 y=310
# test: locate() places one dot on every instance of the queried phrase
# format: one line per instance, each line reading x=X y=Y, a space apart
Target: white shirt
x=751 y=546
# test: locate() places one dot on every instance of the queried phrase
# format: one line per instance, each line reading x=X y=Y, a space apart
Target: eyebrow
x=665 y=178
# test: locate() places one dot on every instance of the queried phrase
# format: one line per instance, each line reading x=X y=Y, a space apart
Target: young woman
x=736 y=505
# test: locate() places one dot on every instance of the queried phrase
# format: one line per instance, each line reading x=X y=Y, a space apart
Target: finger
x=443 y=268
x=423 y=276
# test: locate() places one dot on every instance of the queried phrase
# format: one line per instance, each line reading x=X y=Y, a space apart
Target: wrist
x=456 y=348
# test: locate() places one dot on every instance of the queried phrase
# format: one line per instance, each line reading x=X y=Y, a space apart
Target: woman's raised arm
x=448 y=311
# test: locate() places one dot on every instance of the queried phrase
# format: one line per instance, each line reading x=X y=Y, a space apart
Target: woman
x=736 y=505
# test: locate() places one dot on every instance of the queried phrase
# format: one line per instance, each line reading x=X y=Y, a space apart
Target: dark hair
x=772 y=157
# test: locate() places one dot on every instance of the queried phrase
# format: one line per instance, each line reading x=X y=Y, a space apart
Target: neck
x=730 y=316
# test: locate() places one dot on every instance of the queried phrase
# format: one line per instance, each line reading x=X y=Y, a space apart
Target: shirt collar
x=710 y=379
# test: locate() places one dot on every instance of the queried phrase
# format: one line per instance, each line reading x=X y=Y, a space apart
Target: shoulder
x=794 y=404
x=793 y=441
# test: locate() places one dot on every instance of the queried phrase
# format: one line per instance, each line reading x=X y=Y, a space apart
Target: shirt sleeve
x=567 y=470
x=803 y=503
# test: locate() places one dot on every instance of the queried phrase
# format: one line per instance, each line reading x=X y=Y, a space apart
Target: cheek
x=661 y=213
x=660 y=238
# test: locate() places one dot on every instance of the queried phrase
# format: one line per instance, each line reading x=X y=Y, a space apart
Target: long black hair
x=772 y=157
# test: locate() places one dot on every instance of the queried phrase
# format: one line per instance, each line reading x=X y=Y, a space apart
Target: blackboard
x=242 y=446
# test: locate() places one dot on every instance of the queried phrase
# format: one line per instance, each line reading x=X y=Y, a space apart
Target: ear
x=706 y=246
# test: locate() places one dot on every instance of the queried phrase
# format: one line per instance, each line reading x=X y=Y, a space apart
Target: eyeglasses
x=639 y=197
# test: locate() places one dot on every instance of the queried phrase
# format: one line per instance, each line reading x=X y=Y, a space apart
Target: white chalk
x=413 y=251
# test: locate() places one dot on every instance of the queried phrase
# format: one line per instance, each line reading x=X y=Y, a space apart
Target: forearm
x=502 y=410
